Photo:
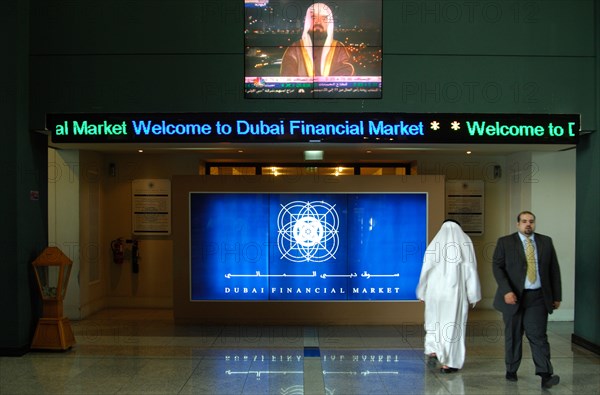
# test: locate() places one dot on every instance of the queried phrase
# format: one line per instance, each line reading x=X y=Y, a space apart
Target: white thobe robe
x=448 y=284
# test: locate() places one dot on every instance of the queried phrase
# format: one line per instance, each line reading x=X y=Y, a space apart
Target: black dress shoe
x=549 y=380
x=512 y=376
x=448 y=370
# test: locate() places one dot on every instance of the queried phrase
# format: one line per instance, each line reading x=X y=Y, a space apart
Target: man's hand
x=510 y=298
x=556 y=304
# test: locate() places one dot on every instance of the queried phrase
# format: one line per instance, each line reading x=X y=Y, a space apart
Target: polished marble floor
x=143 y=352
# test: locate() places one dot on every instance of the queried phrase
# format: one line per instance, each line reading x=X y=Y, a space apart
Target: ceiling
x=294 y=152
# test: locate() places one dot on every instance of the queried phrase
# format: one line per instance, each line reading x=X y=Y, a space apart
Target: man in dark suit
x=529 y=288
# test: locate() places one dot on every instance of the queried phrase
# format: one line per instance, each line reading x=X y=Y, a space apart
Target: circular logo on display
x=307 y=231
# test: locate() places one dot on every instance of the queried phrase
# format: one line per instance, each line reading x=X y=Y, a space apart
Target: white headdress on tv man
x=322 y=17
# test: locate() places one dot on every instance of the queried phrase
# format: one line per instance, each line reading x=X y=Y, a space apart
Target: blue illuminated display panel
x=260 y=246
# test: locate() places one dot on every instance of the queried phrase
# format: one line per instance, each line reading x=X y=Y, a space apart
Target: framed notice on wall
x=151 y=207
x=465 y=203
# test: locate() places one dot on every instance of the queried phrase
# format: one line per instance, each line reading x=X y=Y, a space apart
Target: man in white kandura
x=448 y=284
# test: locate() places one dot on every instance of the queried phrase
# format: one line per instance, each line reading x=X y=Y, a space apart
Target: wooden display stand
x=52 y=270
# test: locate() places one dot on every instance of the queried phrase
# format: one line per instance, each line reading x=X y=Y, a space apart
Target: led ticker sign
x=315 y=127
x=346 y=246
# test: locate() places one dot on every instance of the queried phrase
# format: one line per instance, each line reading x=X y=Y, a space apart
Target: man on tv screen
x=316 y=53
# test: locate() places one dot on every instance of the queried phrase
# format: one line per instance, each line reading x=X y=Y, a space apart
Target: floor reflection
x=143 y=352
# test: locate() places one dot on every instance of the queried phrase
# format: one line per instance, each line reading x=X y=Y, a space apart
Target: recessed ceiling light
x=313 y=155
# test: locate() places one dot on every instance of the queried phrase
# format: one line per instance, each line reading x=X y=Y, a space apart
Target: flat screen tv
x=306 y=246
x=305 y=49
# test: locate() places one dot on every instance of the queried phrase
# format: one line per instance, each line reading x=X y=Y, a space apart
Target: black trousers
x=531 y=319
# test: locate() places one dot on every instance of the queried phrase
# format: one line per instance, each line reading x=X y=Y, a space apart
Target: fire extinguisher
x=135 y=255
x=118 y=250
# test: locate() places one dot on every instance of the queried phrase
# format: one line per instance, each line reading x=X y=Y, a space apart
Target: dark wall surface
x=188 y=56
x=23 y=170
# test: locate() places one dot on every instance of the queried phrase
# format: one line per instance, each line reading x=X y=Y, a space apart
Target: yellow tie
x=530 y=254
